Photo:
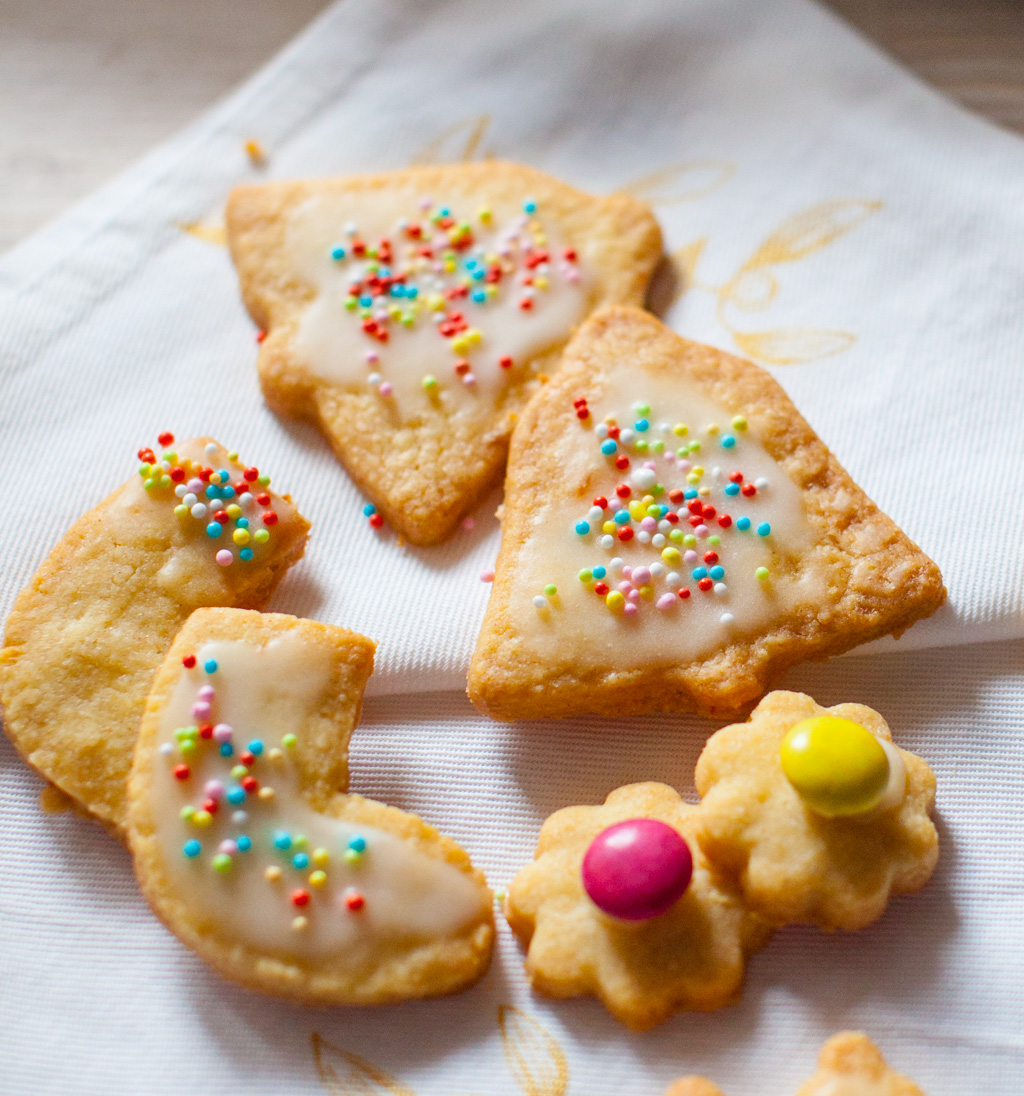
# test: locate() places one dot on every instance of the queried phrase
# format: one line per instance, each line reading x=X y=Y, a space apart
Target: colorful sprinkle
x=680 y=524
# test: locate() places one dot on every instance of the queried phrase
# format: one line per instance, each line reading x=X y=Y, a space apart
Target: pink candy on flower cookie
x=814 y=813
x=637 y=869
x=690 y=956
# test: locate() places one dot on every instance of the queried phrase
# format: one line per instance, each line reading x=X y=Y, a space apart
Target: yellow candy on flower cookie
x=248 y=848
x=815 y=813
x=839 y=768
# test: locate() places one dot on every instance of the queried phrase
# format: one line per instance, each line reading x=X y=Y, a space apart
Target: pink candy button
x=637 y=869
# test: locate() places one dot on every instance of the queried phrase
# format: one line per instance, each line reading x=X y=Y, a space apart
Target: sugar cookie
x=675 y=536
x=653 y=905
x=195 y=527
x=247 y=847
x=687 y=954
x=409 y=314
x=849 y=1065
x=794 y=855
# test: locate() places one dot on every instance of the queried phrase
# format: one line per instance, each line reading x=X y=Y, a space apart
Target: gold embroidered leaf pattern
x=459 y=143
x=212 y=234
x=685 y=182
x=810 y=230
x=686 y=258
x=345 y=1074
x=535 y=1060
x=793 y=345
x=751 y=290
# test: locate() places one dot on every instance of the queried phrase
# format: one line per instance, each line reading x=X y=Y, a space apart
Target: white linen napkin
x=840 y=223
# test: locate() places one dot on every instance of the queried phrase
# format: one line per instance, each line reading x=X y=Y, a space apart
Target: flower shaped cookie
x=692 y=956
x=791 y=861
x=850 y=1062
x=849 y=1065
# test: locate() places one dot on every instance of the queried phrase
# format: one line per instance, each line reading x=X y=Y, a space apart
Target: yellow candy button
x=836 y=766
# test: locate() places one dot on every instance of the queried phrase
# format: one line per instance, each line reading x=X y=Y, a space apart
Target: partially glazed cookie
x=675 y=535
x=248 y=848
x=815 y=813
x=674 y=935
x=849 y=1065
x=197 y=526
x=410 y=314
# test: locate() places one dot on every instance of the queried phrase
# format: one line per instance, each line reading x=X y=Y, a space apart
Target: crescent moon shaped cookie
x=675 y=536
x=196 y=527
x=409 y=314
x=770 y=789
x=849 y=1065
x=248 y=848
x=690 y=955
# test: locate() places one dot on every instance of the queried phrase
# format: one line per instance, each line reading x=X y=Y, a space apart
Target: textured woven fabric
x=837 y=221
x=98 y=998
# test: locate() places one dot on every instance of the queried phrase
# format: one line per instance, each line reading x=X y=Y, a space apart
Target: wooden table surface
x=86 y=86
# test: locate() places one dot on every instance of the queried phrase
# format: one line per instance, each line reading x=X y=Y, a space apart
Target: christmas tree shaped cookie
x=409 y=314
x=247 y=846
x=849 y=1065
x=196 y=526
x=675 y=536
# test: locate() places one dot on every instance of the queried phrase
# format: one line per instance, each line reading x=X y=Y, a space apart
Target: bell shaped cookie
x=247 y=846
x=815 y=813
x=410 y=314
x=675 y=536
x=196 y=526
x=621 y=903
x=849 y=1065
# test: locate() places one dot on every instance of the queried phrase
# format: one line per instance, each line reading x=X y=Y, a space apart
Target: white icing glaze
x=263 y=693
x=577 y=622
x=191 y=570
x=896 y=788
x=332 y=344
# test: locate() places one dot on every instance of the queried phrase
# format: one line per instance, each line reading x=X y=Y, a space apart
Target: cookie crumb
x=256 y=152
